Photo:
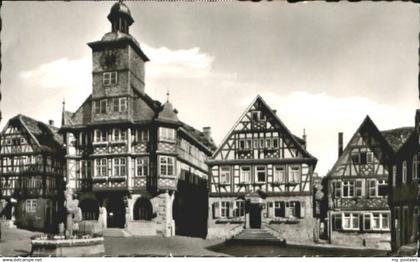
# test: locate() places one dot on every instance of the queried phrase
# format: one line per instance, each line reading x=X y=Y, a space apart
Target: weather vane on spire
x=167 y=95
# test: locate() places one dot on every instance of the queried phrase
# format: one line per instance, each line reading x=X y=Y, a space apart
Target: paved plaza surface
x=16 y=242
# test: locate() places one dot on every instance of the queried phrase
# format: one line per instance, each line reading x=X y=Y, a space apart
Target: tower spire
x=62 y=112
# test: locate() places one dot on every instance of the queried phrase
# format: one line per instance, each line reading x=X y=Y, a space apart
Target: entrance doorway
x=116 y=212
x=255 y=215
x=143 y=209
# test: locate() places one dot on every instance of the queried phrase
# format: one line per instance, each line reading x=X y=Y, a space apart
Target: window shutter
x=216 y=210
x=302 y=209
x=270 y=209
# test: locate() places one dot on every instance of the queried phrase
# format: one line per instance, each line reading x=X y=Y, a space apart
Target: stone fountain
x=67 y=243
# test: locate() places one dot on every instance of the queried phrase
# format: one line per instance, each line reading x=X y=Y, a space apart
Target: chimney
x=207 y=131
x=340 y=143
x=51 y=122
x=274 y=111
x=304 y=138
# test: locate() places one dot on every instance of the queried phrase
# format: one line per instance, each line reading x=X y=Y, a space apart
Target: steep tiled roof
x=397 y=137
x=200 y=136
x=47 y=136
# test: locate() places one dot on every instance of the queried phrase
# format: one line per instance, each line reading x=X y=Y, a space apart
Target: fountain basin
x=68 y=247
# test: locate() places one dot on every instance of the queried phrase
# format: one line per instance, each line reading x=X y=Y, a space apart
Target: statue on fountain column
x=74 y=213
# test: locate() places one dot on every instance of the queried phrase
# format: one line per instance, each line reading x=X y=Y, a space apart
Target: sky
x=322 y=66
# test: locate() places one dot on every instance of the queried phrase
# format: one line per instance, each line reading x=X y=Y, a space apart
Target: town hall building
x=129 y=156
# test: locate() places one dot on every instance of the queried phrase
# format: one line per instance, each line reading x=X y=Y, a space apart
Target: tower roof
x=120 y=10
x=168 y=113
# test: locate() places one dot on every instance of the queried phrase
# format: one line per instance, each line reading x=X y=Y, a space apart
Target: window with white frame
x=351 y=221
x=348 y=188
x=415 y=163
x=394 y=175
x=109 y=78
x=166 y=133
x=100 y=135
x=224 y=175
x=245 y=174
x=142 y=135
x=268 y=143
x=239 y=208
x=294 y=174
x=120 y=166
x=260 y=174
x=404 y=172
x=101 y=167
x=142 y=166
x=261 y=143
x=224 y=208
x=30 y=205
x=372 y=187
x=380 y=221
x=120 y=134
x=248 y=144
x=279 y=175
x=120 y=104
x=255 y=143
x=167 y=165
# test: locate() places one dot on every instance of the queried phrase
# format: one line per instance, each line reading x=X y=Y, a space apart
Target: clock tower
x=117 y=68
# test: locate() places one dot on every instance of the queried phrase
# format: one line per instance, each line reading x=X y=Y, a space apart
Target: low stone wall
x=302 y=231
x=223 y=231
x=357 y=239
x=68 y=247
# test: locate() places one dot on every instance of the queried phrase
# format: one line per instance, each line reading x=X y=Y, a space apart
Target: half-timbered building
x=358 y=188
x=31 y=173
x=261 y=176
x=129 y=156
x=404 y=184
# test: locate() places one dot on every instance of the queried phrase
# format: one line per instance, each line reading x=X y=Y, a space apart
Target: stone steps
x=255 y=235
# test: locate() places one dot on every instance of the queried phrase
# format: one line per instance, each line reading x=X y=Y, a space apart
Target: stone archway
x=143 y=209
x=90 y=209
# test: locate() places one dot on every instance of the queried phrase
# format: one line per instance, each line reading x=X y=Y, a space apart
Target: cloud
x=182 y=63
x=61 y=73
x=323 y=116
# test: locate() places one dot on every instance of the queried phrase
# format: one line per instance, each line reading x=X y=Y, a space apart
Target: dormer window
x=109 y=78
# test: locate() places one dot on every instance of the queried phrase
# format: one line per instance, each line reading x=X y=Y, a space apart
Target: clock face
x=109 y=58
